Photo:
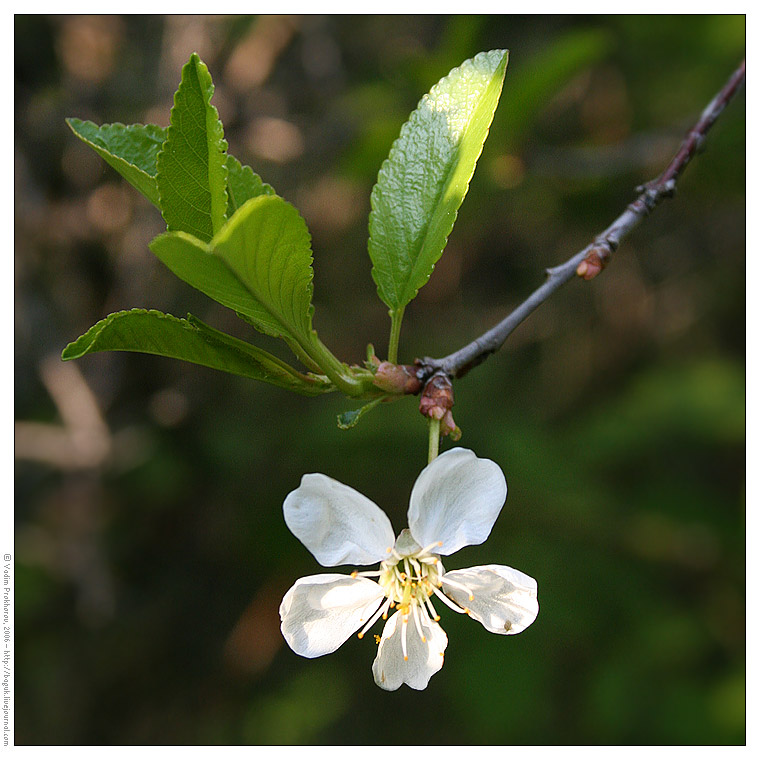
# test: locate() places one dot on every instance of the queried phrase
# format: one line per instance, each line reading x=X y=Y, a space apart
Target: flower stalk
x=434 y=437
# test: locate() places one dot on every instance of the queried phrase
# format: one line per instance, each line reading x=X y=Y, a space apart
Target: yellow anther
x=360 y=635
x=355 y=573
x=406 y=657
x=378 y=639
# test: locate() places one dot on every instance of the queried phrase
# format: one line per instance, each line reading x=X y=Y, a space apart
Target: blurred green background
x=151 y=553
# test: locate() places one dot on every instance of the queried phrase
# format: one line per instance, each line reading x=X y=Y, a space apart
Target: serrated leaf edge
x=126 y=127
x=395 y=150
x=201 y=69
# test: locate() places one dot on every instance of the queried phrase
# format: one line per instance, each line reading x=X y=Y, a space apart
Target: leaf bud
x=397 y=378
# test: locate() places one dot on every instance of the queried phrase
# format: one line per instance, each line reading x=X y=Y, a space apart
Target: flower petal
x=456 y=500
x=504 y=600
x=320 y=612
x=337 y=524
x=425 y=657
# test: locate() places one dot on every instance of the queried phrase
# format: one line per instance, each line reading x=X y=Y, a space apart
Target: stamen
x=448 y=601
x=434 y=615
x=416 y=616
x=430 y=548
x=403 y=636
x=460 y=586
x=367 y=574
x=382 y=609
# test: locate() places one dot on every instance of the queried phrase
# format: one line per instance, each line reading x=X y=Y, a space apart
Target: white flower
x=454 y=503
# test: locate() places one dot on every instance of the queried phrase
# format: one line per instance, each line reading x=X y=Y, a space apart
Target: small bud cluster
x=436 y=402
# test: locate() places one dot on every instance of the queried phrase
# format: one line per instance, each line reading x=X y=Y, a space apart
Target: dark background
x=151 y=553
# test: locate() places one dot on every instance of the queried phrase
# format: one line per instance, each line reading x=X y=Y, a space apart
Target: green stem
x=302 y=356
x=340 y=375
x=396 y=317
x=434 y=437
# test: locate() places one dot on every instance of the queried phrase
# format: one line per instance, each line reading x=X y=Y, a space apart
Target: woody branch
x=591 y=260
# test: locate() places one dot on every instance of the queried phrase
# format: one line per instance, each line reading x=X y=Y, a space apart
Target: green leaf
x=268 y=246
x=153 y=332
x=131 y=150
x=193 y=261
x=259 y=265
x=242 y=185
x=425 y=178
x=347 y=420
x=192 y=173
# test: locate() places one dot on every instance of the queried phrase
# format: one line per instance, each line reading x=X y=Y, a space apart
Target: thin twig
x=592 y=259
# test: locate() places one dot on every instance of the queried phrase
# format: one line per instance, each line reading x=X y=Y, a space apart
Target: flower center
x=410 y=580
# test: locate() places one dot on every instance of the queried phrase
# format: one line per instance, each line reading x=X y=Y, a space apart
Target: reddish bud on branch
x=596 y=259
x=436 y=402
x=397 y=378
